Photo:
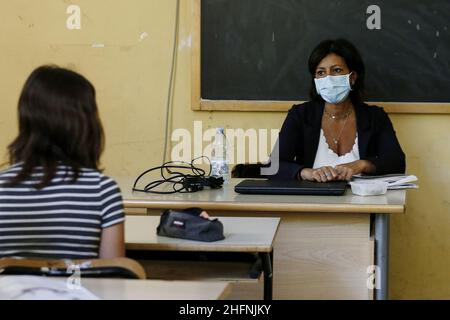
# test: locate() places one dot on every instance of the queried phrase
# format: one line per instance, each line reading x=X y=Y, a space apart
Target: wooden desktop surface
x=241 y=235
x=227 y=199
x=120 y=289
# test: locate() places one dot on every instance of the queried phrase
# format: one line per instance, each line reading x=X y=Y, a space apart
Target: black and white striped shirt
x=63 y=220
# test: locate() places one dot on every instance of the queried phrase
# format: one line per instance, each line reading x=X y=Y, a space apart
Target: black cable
x=182 y=182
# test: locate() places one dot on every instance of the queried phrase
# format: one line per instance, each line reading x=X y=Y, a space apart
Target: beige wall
x=131 y=77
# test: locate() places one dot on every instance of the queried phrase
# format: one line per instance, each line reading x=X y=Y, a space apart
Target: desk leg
x=382 y=254
x=267 y=264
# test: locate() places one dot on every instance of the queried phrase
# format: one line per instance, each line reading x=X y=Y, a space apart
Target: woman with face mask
x=336 y=135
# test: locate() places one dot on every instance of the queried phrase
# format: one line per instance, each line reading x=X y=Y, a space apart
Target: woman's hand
x=347 y=170
x=204 y=215
x=340 y=172
x=323 y=174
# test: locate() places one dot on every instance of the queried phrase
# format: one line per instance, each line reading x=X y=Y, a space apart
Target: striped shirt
x=63 y=220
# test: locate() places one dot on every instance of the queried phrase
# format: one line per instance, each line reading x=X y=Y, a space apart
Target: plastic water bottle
x=219 y=159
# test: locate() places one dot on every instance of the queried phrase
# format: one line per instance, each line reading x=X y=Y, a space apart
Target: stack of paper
x=395 y=181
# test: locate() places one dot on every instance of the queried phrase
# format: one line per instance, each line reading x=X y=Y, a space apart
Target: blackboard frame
x=200 y=104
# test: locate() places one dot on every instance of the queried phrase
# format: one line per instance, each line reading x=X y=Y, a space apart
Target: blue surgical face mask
x=334 y=89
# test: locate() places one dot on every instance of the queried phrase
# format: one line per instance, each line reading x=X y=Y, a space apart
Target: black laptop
x=291 y=187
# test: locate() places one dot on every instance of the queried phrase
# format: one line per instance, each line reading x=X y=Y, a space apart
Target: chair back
x=97 y=268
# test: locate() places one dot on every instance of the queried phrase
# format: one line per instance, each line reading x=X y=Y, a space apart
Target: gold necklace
x=334 y=116
x=336 y=140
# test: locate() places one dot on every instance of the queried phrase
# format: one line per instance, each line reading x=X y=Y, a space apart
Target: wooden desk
x=119 y=289
x=241 y=235
x=325 y=246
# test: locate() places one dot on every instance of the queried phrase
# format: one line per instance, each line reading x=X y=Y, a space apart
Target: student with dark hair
x=337 y=135
x=54 y=201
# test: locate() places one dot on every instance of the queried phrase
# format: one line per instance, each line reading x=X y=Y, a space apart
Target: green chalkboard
x=258 y=49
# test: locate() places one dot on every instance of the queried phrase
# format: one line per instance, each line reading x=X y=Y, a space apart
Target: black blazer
x=299 y=139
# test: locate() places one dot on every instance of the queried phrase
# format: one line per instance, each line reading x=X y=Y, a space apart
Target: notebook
x=291 y=187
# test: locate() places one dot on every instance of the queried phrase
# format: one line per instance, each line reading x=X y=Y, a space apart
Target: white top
x=325 y=156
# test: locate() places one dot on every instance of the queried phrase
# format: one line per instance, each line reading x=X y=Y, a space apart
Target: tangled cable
x=192 y=181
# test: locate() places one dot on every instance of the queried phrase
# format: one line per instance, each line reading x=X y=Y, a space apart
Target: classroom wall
x=124 y=48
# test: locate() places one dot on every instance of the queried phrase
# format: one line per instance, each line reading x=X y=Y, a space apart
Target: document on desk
x=395 y=181
x=41 y=288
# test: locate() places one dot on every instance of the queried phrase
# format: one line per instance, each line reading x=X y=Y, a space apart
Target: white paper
x=41 y=288
x=403 y=186
x=395 y=181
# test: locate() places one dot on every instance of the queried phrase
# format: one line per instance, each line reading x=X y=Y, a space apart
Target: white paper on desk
x=41 y=288
x=395 y=181
x=404 y=186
